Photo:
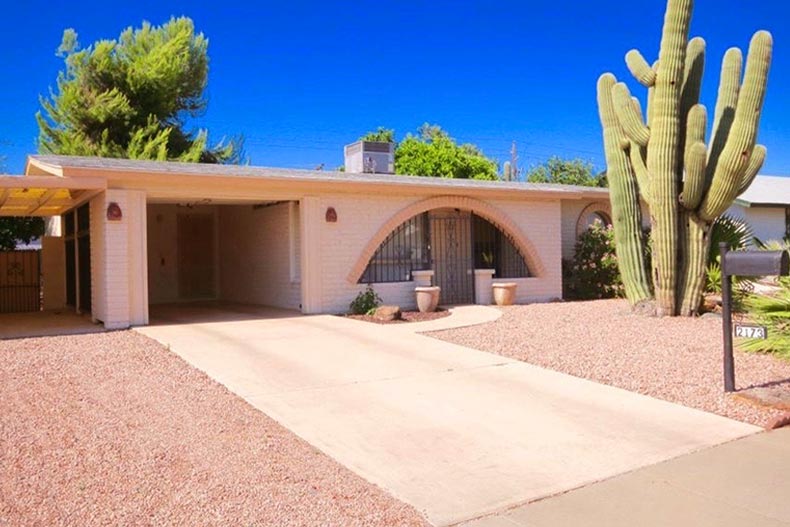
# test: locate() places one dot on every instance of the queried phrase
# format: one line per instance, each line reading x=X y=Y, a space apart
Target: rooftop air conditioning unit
x=370 y=157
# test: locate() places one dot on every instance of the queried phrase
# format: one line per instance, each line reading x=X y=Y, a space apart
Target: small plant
x=713 y=278
x=593 y=273
x=488 y=259
x=366 y=302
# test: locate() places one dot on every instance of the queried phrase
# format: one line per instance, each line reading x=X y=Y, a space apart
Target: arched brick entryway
x=478 y=207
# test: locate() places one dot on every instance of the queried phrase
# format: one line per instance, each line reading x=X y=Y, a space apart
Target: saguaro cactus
x=685 y=183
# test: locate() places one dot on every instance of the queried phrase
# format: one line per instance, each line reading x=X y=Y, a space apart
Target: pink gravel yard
x=113 y=429
x=675 y=359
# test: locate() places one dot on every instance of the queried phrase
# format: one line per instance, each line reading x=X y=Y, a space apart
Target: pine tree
x=131 y=97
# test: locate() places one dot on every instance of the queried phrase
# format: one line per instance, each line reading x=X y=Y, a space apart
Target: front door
x=451 y=253
x=196 y=256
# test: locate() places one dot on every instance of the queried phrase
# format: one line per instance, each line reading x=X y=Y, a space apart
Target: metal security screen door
x=451 y=252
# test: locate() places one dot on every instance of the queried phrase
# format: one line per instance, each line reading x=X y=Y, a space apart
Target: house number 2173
x=751 y=332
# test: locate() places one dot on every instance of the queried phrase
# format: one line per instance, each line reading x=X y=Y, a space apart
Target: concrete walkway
x=456 y=432
x=744 y=482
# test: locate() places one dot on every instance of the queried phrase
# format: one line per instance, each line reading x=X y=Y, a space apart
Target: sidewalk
x=742 y=483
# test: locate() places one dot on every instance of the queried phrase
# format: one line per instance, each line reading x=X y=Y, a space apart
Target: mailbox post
x=726 y=316
x=743 y=263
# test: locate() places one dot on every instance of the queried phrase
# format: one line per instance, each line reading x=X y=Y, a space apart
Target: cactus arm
x=692 y=85
x=695 y=157
x=755 y=164
x=651 y=91
x=726 y=101
x=637 y=156
x=692 y=76
x=692 y=281
x=629 y=115
x=624 y=195
x=696 y=122
x=640 y=69
x=694 y=186
x=734 y=160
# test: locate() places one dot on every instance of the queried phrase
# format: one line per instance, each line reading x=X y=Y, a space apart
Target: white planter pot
x=483 y=280
x=427 y=298
x=504 y=293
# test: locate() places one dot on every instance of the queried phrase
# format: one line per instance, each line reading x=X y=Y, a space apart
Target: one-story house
x=766 y=207
x=126 y=235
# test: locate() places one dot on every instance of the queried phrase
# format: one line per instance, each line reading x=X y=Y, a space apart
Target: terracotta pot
x=427 y=298
x=504 y=293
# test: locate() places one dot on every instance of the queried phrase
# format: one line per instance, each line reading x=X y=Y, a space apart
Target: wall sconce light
x=114 y=212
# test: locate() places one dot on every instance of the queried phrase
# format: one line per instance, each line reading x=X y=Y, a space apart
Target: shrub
x=736 y=232
x=365 y=302
x=593 y=273
x=774 y=312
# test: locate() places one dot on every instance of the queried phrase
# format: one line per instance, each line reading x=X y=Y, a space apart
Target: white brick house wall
x=119 y=270
x=256 y=253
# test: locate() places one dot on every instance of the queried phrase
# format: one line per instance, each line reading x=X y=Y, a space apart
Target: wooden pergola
x=46 y=195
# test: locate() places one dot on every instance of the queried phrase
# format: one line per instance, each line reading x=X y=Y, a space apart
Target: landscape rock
x=387 y=313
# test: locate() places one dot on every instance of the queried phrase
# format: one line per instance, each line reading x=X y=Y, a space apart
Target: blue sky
x=300 y=79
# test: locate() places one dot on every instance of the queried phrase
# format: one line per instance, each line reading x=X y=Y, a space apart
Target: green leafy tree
x=131 y=97
x=382 y=135
x=433 y=153
x=14 y=230
x=566 y=172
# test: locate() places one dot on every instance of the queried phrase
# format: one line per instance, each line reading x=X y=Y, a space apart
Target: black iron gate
x=451 y=253
x=20 y=281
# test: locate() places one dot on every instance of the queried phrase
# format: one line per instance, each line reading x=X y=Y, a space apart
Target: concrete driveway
x=456 y=432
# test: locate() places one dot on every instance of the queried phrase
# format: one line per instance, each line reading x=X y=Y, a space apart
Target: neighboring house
x=766 y=207
x=133 y=234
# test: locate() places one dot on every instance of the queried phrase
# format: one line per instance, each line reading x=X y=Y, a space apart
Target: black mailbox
x=743 y=263
x=755 y=263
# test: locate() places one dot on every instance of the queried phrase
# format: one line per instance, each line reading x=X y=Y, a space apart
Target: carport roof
x=109 y=167
x=45 y=195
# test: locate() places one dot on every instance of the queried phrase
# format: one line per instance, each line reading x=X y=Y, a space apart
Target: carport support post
x=311 y=222
x=726 y=316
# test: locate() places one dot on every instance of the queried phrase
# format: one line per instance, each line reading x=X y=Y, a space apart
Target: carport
x=58 y=276
x=222 y=252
